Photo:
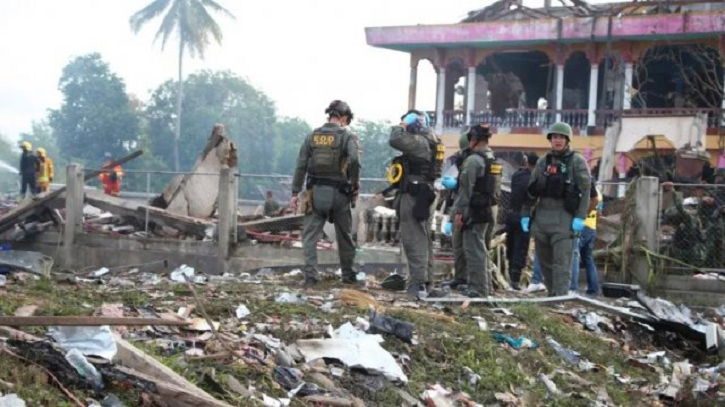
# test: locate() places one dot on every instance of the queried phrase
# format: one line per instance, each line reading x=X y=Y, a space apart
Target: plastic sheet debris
x=194 y=352
x=471 y=377
x=364 y=352
x=507 y=398
x=295 y=272
x=243 y=311
x=184 y=270
x=3 y=280
x=89 y=340
x=84 y=368
x=571 y=357
x=326 y=307
x=504 y=311
x=101 y=271
x=200 y=324
x=551 y=386
x=11 y=400
x=518 y=343
x=111 y=401
x=272 y=402
x=482 y=324
x=385 y=324
x=290 y=298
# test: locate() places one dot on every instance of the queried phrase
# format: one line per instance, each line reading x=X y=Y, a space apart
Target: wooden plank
x=282 y=223
x=496 y=301
x=87 y=321
x=122 y=207
x=172 y=395
x=23 y=211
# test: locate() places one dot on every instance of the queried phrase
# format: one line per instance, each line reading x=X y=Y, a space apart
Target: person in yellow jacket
x=46 y=171
x=584 y=246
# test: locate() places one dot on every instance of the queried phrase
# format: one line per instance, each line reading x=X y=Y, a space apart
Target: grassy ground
x=443 y=351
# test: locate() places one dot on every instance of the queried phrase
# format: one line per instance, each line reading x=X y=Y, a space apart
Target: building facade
x=521 y=69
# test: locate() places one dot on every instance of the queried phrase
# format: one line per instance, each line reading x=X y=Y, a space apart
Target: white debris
x=101 y=271
x=184 y=270
x=89 y=340
x=243 y=311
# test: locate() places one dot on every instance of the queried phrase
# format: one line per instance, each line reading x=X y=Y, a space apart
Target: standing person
x=28 y=170
x=422 y=161
x=46 y=172
x=329 y=158
x=584 y=246
x=271 y=206
x=517 y=241
x=476 y=208
x=558 y=183
x=460 y=269
x=111 y=179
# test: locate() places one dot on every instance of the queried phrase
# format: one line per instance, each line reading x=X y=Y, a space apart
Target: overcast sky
x=301 y=53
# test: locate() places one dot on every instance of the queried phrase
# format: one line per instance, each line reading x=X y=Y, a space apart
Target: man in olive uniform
x=329 y=158
x=460 y=269
x=559 y=190
x=476 y=208
x=418 y=143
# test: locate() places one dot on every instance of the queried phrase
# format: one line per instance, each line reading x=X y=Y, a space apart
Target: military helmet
x=463 y=140
x=559 y=128
x=338 y=108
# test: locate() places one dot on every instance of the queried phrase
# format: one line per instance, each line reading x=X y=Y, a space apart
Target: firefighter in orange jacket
x=46 y=171
x=111 y=180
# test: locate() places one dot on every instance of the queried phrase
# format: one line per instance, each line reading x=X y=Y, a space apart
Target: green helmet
x=559 y=128
x=463 y=140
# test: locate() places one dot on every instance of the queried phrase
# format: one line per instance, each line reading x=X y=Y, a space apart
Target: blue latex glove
x=449 y=182
x=448 y=228
x=410 y=118
x=577 y=225
x=525 y=224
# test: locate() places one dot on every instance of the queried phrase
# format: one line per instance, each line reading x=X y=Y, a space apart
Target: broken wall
x=196 y=194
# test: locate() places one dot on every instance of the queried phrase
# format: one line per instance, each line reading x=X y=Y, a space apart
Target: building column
x=593 y=83
x=440 y=99
x=627 y=99
x=559 y=89
x=471 y=98
x=412 y=89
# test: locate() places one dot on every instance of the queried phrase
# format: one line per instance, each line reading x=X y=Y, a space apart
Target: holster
x=572 y=198
x=424 y=197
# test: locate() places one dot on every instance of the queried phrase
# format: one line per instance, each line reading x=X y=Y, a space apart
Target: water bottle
x=84 y=368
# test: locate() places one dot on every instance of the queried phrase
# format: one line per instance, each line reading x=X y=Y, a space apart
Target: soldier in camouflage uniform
x=415 y=196
x=559 y=189
x=329 y=158
x=688 y=242
x=476 y=208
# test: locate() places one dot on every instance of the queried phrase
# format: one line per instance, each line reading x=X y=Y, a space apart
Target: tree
x=214 y=97
x=194 y=26
x=95 y=116
x=290 y=133
x=376 y=152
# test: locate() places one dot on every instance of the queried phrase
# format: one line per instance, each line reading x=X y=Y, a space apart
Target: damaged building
x=521 y=69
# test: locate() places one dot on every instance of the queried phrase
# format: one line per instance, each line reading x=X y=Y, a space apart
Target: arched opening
x=679 y=76
x=516 y=79
x=576 y=82
x=425 y=90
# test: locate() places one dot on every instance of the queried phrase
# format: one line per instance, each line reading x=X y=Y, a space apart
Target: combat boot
x=310 y=281
x=454 y=284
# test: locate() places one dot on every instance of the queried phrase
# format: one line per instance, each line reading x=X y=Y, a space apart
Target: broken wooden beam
x=32 y=207
x=124 y=208
x=174 y=395
x=87 y=321
x=279 y=224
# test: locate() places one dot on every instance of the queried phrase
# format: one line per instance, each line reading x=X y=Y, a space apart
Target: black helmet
x=479 y=132
x=338 y=108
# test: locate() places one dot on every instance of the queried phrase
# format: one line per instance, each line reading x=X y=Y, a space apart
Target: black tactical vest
x=486 y=191
x=328 y=146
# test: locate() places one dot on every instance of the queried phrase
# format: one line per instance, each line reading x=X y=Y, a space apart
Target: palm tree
x=195 y=28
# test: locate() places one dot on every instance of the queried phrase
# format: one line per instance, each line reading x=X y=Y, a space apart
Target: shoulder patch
x=496 y=169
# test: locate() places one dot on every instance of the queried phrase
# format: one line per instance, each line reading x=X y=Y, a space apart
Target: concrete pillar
x=227 y=212
x=627 y=100
x=412 y=89
x=73 y=212
x=471 y=88
x=647 y=212
x=480 y=101
x=440 y=99
x=559 y=89
x=592 y=106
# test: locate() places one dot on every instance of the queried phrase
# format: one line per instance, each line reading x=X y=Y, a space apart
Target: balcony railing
x=577 y=118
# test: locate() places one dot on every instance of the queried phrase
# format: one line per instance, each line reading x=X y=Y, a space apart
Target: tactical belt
x=324 y=182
